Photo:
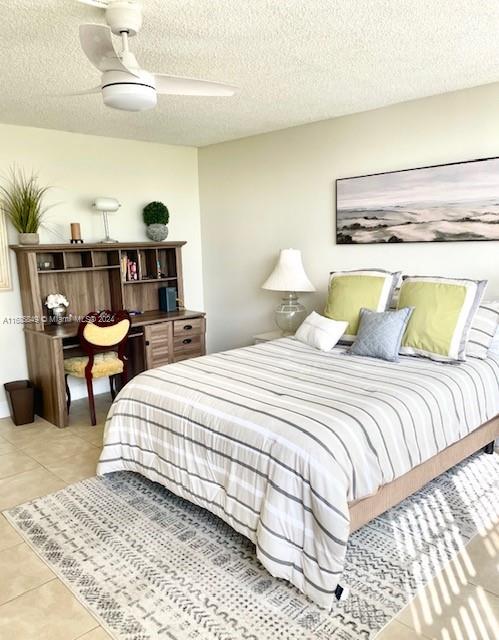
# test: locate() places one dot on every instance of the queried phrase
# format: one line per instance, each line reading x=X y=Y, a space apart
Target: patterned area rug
x=150 y=565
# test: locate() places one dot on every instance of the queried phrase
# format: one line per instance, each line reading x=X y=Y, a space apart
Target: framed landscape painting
x=443 y=203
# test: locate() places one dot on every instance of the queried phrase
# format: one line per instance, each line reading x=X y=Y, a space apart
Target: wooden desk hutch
x=94 y=277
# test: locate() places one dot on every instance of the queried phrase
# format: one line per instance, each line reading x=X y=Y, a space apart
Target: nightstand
x=266 y=337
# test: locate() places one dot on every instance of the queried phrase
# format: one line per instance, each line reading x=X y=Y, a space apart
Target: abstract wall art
x=443 y=203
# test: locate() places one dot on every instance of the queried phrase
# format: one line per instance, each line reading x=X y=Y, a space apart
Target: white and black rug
x=150 y=565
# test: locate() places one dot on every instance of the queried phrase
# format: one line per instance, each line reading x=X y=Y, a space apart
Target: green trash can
x=21 y=399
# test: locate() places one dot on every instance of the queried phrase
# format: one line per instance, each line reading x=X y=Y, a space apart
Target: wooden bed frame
x=364 y=510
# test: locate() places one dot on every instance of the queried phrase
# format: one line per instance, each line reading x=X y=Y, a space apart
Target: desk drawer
x=187 y=347
x=193 y=326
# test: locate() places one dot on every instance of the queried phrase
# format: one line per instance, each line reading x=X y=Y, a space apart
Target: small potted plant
x=57 y=306
x=156 y=217
x=21 y=202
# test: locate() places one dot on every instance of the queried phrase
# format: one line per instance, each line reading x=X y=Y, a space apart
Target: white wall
x=80 y=168
x=276 y=190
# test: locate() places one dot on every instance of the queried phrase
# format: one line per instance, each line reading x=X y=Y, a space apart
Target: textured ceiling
x=295 y=61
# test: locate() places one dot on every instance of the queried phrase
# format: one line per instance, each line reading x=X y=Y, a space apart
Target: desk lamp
x=105 y=206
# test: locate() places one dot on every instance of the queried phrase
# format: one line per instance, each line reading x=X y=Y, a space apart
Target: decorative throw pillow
x=319 y=332
x=350 y=291
x=380 y=334
x=483 y=329
x=444 y=309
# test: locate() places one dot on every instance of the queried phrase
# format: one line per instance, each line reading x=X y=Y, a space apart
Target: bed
x=295 y=448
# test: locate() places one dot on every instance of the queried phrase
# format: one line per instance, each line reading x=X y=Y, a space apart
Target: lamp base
x=290 y=314
x=107 y=239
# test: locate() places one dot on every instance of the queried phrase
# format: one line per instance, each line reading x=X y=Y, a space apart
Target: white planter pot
x=57 y=314
x=157 y=232
x=29 y=238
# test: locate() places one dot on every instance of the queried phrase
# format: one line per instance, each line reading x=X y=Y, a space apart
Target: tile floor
x=461 y=603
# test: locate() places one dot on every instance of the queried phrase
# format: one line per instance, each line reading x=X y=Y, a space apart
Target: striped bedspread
x=277 y=438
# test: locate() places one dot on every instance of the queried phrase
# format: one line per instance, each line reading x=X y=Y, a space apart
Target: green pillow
x=443 y=311
x=350 y=291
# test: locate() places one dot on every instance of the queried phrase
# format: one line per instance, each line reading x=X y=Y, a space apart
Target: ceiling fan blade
x=101 y=4
x=178 y=86
x=97 y=44
x=84 y=92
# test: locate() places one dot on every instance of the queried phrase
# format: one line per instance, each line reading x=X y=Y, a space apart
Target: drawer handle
x=187 y=341
x=187 y=327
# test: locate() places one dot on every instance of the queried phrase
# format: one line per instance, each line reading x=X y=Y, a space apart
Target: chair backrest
x=104 y=330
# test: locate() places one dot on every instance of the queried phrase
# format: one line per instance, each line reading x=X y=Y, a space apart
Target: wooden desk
x=95 y=277
x=70 y=329
x=156 y=338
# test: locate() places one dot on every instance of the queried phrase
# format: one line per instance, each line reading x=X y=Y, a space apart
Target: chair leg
x=68 y=393
x=124 y=375
x=91 y=402
x=112 y=386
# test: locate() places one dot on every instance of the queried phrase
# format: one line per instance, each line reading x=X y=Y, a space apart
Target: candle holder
x=76 y=233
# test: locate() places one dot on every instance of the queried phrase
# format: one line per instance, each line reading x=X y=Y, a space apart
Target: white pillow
x=482 y=330
x=320 y=332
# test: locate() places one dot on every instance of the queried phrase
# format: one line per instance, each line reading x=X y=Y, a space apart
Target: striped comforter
x=277 y=438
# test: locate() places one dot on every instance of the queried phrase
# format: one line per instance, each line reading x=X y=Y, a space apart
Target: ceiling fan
x=124 y=85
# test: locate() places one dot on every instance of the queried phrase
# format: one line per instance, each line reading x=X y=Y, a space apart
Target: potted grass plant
x=156 y=217
x=21 y=200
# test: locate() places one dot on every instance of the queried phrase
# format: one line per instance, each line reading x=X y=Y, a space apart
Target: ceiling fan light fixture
x=124 y=84
x=127 y=92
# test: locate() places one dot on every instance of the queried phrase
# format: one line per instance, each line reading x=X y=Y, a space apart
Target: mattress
x=276 y=439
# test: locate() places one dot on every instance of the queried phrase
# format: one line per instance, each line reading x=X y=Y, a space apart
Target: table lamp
x=289 y=276
x=105 y=206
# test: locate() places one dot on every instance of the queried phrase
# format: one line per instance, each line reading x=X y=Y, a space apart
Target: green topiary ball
x=156 y=213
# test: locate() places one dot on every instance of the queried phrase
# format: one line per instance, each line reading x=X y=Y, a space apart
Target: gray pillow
x=380 y=333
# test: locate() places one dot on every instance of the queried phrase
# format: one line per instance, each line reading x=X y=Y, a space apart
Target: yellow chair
x=103 y=336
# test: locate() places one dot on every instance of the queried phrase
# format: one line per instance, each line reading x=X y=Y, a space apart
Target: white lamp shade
x=109 y=205
x=288 y=274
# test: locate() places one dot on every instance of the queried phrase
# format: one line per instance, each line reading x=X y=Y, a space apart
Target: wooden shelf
x=96 y=246
x=145 y=280
x=73 y=269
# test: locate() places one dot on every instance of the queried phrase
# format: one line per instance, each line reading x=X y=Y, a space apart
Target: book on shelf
x=124 y=266
x=129 y=269
x=139 y=266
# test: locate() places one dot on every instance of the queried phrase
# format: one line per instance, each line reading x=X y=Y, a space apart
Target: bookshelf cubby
x=78 y=260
